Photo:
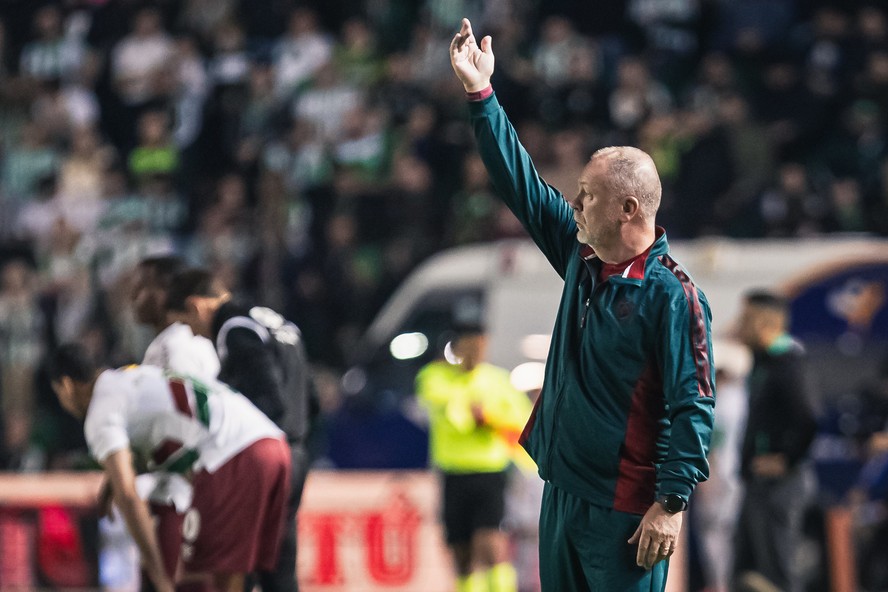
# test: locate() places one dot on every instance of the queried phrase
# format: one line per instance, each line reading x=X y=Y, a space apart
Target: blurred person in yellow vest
x=476 y=416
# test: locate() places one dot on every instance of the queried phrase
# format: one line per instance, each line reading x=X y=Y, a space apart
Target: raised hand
x=472 y=63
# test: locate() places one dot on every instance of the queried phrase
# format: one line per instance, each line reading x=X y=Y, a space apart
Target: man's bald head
x=632 y=172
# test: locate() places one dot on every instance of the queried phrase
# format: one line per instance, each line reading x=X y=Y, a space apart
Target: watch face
x=674 y=504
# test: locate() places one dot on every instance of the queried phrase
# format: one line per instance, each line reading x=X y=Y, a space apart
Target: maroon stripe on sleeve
x=636 y=476
x=699 y=339
x=180 y=397
x=166 y=449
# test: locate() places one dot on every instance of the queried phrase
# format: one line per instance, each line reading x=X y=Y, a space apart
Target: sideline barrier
x=359 y=532
x=372 y=531
x=48 y=531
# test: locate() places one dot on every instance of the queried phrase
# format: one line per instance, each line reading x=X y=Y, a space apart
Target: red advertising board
x=372 y=531
x=359 y=532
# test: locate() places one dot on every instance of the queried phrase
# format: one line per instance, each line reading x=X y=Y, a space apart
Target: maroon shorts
x=236 y=518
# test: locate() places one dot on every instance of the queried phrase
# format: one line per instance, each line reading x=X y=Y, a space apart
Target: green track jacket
x=626 y=410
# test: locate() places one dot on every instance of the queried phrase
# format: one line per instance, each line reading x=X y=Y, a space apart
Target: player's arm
x=119 y=471
x=540 y=208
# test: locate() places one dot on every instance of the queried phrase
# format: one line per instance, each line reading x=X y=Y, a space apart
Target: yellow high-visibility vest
x=458 y=443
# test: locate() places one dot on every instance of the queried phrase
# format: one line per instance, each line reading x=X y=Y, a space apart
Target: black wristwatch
x=673 y=503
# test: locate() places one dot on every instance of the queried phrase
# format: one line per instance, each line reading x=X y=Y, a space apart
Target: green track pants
x=583 y=548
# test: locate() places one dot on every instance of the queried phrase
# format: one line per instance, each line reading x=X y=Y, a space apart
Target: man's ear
x=630 y=206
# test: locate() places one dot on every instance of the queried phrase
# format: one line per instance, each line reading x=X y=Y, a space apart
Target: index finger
x=466 y=35
x=466 y=28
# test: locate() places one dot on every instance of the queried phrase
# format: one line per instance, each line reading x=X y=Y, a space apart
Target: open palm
x=472 y=63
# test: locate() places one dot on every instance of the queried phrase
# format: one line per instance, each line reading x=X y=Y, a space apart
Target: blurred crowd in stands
x=313 y=153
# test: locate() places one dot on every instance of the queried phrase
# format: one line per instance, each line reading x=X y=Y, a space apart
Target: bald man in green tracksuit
x=621 y=430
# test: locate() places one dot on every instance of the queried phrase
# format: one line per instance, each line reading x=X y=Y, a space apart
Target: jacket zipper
x=586 y=304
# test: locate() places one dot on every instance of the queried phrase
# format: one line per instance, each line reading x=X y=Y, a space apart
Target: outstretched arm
x=472 y=63
x=540 y=207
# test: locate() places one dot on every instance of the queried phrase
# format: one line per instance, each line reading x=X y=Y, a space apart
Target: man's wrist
x=673 y=503
x=479 y=95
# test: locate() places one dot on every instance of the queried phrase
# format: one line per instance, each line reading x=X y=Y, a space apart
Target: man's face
x=750 y=326
x=595 y=209
x=471 y=349
x=200 y=312
x=64 y=390
x=148 y=298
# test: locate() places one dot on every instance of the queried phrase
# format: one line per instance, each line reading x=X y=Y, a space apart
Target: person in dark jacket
x=780 y=426
x=262 y=356
x=621 y=428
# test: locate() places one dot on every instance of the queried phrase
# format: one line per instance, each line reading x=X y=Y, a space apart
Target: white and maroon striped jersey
x=177 y=423
x=178 y=350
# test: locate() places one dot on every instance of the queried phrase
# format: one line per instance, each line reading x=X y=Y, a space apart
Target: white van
x=518 y=294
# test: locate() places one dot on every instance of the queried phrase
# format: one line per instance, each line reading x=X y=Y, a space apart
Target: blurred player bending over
x=176 y=349
x=203 y=430
x=262 y=356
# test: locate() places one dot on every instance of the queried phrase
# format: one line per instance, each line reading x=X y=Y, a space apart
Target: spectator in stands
x=156 y=153
x=792 y=208
x=141 y=59
x=752 y=160
x=45 y=57
x=301 y=53
x=28 y=161
x=636 y=95
x=61 y=109
x=21 y=348
x=82 y=170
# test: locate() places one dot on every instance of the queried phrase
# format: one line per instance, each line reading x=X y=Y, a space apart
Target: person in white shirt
x=141 y=60
x=176 y=349
x=201 y=429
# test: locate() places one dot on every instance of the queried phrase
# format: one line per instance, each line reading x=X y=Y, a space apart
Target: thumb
x=486 y=44
x=637 y=535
